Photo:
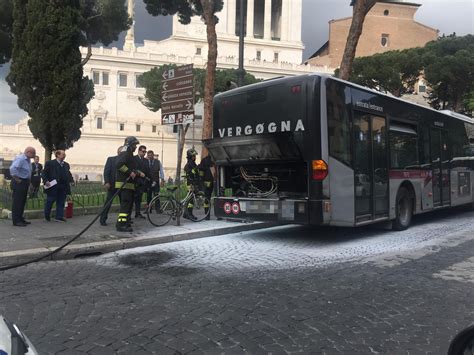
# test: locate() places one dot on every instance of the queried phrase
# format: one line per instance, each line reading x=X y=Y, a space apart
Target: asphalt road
x=281 y=290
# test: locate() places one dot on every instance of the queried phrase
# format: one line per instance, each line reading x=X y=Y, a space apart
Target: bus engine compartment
x=269 y=180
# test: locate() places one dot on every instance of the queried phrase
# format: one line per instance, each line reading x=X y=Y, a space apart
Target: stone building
x=389 y=25
x=273 y=47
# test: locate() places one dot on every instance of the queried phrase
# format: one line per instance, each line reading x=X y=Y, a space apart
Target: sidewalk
x=20 y=244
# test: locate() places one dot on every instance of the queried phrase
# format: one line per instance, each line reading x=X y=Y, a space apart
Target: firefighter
x=192 y=180
x=207 y=180
x=126 y=167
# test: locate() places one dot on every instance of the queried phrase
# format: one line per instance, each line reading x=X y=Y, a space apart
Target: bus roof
x=456 y=115
x=327 y=76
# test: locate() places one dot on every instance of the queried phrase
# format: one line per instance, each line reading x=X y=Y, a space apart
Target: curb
x=96 y=248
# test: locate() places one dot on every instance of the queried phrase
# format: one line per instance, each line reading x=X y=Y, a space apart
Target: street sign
x=177 y=95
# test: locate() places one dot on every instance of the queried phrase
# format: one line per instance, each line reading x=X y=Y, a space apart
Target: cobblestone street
x=280 y=290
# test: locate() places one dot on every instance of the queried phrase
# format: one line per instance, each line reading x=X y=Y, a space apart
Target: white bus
x=317 y=150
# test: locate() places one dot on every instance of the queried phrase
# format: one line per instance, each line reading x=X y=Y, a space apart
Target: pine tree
x=46 y=72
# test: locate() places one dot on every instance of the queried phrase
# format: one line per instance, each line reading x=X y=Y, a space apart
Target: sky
x=446 y=15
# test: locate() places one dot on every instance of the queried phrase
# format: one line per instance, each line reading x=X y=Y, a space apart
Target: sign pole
x=178 y=178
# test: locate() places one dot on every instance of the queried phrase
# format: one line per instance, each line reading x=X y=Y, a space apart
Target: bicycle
x=168 y=207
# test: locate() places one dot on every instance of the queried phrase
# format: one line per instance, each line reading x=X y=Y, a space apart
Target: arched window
x=99 y=122
x=384 y=40
x=386 y=12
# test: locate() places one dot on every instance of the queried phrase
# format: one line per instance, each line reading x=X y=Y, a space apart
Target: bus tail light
x=320 y=170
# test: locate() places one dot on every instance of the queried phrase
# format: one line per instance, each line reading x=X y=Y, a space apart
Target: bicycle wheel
x=162 y=215
x=201 y=206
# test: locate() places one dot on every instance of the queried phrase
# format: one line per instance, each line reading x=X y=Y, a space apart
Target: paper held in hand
x=51 y=184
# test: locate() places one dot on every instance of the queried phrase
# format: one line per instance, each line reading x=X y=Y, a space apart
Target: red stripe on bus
x=409 y=174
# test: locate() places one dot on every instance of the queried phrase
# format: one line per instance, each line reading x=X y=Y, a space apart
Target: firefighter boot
x=123 y=227
x=188 y=214
x=208 y=213
x=122 y=224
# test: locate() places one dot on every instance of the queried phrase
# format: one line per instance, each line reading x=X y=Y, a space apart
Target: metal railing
x=83 y=194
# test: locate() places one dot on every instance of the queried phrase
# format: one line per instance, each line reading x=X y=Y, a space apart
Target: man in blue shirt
x=20 y=171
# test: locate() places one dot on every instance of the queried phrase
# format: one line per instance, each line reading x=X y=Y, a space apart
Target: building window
x=422 y=88
x=96 y=77
x=275 y=57
x=122 y=127
x=123 y=80
x=259 y=55
x=153 y=129
x=105 y=78
x=276 y=20
x=138 y=81
x=99 y=122
x=384 y=41
x=138 y=127
x=386 y=12
x=198 y=50
x=258 y=18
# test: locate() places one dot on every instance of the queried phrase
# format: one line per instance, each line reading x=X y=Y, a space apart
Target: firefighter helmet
x=191 y=153
x=131 y=141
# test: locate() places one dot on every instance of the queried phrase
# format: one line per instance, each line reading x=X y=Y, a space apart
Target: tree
x=395 y=71
x=449 y=72
x=6 y=26
x=101 y=22
x=360 y=8
x=46 y=72
x=152 y=79
x=207 y=10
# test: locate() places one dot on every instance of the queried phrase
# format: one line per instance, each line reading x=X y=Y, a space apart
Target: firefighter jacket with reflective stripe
x=192 y=172
x=205 y=173
x=125 y=164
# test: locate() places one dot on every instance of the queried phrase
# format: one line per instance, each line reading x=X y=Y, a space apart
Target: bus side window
x=403 y=145
x=339 y=134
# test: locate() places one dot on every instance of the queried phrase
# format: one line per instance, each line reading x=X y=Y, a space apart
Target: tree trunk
x=210 y=20
x=181 y=139
x=88 y=55
x=47 y=154
x=360 y=9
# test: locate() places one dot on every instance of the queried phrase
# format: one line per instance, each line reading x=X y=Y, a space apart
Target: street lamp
x=241 y=70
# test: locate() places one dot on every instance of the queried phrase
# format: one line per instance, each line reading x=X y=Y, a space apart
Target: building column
x=130 y=37
x=231 y=16
x=285 y=20
x=250 y=13
x=267 y=29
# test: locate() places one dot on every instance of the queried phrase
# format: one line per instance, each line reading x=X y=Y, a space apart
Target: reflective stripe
x=207 y=183
x=122 y=217
x=201 y=173
x=206 y=205
x=123 y=168
x=128 y=185
x=190 y=205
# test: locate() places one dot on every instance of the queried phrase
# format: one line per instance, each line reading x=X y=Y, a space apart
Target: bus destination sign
x=177 y=95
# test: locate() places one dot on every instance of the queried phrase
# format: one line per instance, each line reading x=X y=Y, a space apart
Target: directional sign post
x=177 y=95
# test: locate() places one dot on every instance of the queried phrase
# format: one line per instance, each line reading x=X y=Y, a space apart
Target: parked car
x=13 y=341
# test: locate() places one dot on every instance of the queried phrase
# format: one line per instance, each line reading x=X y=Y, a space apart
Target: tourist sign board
x=177 y=95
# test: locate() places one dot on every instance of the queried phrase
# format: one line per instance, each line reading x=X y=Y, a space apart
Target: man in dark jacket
x=36 y=171
x=141 y=184
x=109 y=184
x=126 y=172
x=157 y=178
x=207 y=181
x=192 y=179
x=56 y=178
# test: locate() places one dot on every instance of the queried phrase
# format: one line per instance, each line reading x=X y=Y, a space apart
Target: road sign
x=177 y=95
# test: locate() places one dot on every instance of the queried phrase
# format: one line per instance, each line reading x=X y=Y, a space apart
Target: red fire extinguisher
x=69 y=209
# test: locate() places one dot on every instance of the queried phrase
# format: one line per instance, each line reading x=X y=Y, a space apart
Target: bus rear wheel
x=403 y=210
